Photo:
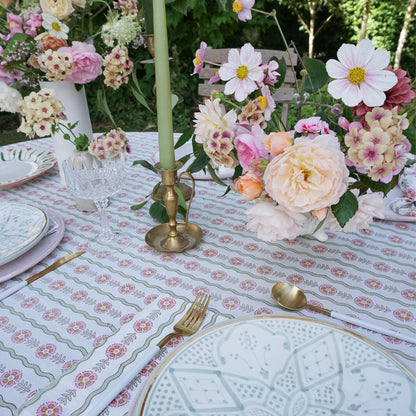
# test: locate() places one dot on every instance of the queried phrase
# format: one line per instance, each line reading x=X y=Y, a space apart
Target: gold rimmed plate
x=277 y=365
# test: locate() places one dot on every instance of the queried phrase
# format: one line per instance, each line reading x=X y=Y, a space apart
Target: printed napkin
x=403 y=203
x=92 y=383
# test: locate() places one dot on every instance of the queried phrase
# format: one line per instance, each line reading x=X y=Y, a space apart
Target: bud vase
x=76 y=110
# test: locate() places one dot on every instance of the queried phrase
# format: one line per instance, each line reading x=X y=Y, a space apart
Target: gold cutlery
x=290 y=297
x=187 y=325
x=36 y=276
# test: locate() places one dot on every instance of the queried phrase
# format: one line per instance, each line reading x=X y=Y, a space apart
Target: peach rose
x=50 y=42
x=276 y=143
x=249 y=186
x=58 y=8
x=309 y=175
x=273 y=222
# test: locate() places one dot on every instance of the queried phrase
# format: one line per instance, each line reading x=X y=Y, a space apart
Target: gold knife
x=36 y=276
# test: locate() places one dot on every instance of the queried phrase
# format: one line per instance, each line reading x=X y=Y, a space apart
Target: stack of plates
x=24 y=236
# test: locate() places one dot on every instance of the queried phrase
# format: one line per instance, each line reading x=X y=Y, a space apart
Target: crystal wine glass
x=90 y=178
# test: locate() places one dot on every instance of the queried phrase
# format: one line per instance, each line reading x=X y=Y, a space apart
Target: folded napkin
x=401 y=201
x=93 y=382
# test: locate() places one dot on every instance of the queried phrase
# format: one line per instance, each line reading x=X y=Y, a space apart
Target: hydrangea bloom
x=360 y=75
x=242 y=71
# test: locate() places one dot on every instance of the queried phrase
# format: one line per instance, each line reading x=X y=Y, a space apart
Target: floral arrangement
x=53 y=40
x=43 y=115
x=330 y=170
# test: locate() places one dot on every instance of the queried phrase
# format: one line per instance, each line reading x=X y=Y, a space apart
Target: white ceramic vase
x=76 y=109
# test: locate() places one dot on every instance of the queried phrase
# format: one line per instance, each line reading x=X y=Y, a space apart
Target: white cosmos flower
x=360 y=74
x=54 y=26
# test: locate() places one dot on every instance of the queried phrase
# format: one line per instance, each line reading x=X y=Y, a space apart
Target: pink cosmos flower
x=199 y=58
x=270 y=73
x=242 y=71
x=249 y=142
x=360 y=75
x=243 y=9
x=87 y=63
x=313 y=126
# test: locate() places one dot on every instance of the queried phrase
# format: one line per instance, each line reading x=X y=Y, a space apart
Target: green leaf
x=181 y=199
x=179 y=5
x=410 y=133
x=345 y=209
x=174 y=100
x=139 y=206
x=19 y=42
x=146 y=165
x=103 y=106
x=216 y=179
x=317 y=76
x=158 y=212
x=282 y=71
x=81 y=142
x=379 y=186
x=222 y=3
x=137 y=92
x=186 y=135
x=200 y=162
x=67 y=136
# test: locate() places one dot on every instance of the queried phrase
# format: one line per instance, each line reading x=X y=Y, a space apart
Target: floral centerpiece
x=331 y=170
x=54 y=40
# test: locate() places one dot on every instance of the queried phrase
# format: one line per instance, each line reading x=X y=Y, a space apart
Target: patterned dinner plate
x=278 y=366
x=21 y=227
x=19 y=164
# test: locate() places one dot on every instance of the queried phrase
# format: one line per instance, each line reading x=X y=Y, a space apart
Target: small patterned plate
x=21 y=227
x=19 y=164
x=278 y=366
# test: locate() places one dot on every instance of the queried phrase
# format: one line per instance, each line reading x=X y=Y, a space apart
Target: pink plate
x=37 y=253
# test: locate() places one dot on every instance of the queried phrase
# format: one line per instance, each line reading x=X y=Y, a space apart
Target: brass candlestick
x=174 y=236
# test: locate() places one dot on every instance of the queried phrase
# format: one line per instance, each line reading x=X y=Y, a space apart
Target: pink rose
x=370 y=206
x=87 y=62
x=273 y=222
x=309 y=175
x=249 y=142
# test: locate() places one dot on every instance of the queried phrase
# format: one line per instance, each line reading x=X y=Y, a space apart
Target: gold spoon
x=290 y=297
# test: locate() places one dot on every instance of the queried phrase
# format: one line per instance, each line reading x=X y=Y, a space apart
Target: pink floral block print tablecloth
x=55 y=324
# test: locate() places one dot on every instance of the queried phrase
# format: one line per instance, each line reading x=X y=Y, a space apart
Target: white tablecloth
x=48 y=326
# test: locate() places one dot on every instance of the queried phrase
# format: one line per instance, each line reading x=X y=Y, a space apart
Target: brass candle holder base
x=174 y=236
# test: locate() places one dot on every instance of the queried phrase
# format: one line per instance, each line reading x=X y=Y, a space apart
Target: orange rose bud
x=276 y=143
x=249 y=185
x=50 y=42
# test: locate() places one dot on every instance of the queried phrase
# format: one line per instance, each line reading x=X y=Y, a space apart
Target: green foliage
x=317 y=76
x=345 y=209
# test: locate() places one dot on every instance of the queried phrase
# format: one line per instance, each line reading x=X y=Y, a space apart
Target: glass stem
x=104 y=224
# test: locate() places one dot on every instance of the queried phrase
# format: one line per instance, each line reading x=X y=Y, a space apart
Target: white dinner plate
x=21 y=227
x=37 y=253
x=278 y=366
x=19 y=164
x=186 y=149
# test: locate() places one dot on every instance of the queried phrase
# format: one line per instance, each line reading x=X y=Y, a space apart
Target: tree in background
x=404 y=32
x=364 y=21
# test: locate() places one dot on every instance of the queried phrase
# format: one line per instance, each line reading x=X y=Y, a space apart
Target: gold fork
x=191 y=321
x=187 y=325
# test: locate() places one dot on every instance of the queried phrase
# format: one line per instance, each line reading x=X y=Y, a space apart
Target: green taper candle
x=163 y=93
